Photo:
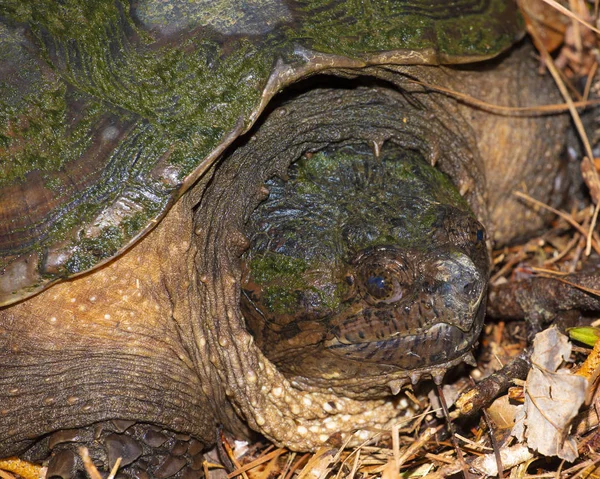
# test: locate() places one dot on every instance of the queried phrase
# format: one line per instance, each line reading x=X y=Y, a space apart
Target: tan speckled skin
x=104 y=343
x=149 y=338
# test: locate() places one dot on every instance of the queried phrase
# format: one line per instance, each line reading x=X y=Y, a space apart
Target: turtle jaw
x=427 y=353
x=406 y=313
x=412 y=321
x=377 y=367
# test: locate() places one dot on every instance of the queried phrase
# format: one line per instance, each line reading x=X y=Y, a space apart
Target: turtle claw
x=146 y=452
x=124 y=447
x=65 y=464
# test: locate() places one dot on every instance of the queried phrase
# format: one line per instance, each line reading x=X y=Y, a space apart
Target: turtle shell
x=110 y=110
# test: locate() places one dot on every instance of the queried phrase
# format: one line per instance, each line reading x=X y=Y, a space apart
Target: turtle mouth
x=409 y=312
x=437 y=345
x=412 y=312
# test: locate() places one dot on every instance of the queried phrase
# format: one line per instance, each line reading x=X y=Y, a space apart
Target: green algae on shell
x=111 y=110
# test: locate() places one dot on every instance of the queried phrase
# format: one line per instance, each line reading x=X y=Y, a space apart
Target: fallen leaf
x=585 y=334
x=589 y=173
x=503 y=413
x=319 y=465
x=549 y=22
x=553 y=397
x=509 y=456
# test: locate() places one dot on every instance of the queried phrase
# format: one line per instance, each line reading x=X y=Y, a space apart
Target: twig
x=115 y=469
x=459 y=454
x=572 y=242
x=549 y=271
x=588 y=246
x=588 y=82
x=567 y=217
x=506 y=110
x=497 y=454
x=570 y=14
x=354 y=465
x=90 y=468
x=297 y=465
x=595 y=292
x=256 y=462
x=563 y=90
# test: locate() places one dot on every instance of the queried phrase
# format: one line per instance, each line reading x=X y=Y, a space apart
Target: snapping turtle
x=258 y=214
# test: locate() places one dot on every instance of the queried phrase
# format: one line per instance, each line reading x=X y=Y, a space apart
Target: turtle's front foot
x=146 y=451
x=541 y=300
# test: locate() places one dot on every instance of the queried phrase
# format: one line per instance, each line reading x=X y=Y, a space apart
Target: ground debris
x=553 y=396
x=414 y=450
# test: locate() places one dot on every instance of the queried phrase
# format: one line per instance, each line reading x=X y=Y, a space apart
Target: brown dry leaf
x=552 y=398
x=503 y=413
x=319 y=465
x=509 y=456
x=591 y=366
x=390 y=471
x=550 y=24
x=24 y=469
x=576 y=57
x=590 y=176
x=241 y=470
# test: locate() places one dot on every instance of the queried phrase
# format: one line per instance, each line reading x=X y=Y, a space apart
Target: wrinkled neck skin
x=301 y=405
x=486 y=156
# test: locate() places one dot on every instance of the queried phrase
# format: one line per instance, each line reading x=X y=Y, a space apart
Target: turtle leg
x=146 y=451
x=117 y=344
x=543 y=299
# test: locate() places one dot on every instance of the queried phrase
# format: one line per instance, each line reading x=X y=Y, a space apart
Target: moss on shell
x=182 y=75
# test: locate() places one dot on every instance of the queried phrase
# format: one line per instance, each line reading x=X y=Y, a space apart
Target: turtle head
x=364 y=269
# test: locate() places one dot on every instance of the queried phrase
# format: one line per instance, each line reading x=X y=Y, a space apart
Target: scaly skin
x=179 y=355
x=111 y=109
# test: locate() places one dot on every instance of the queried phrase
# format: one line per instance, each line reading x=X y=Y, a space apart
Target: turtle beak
x=461 y=289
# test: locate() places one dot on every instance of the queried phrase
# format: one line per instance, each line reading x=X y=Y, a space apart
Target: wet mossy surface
x=335 y=205
x=194 y=87
x=135 y=96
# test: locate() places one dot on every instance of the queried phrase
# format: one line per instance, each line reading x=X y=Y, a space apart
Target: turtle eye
x=377 y=286
x=480 y=234
x=382 y=286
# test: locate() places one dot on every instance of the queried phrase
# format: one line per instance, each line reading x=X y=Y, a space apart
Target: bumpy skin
x=173 y=319
x=156 y=336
